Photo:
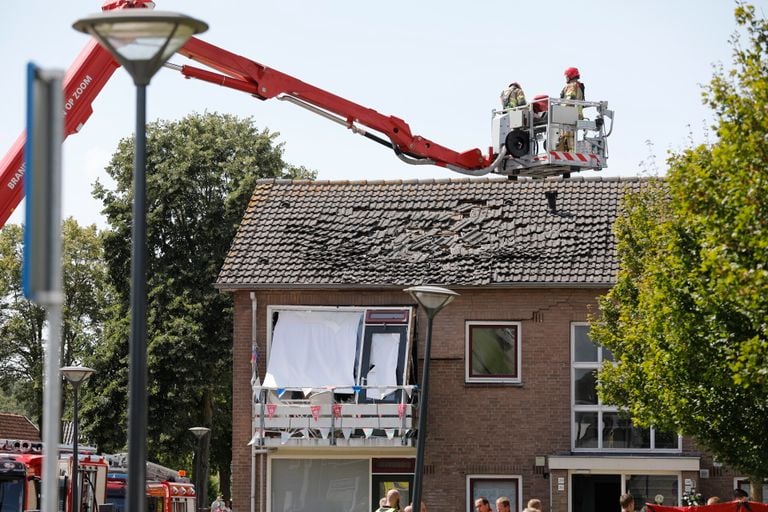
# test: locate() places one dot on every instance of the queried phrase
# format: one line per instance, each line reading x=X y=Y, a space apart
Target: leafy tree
x=23 y=325
x=688 y=318
x=201 y=172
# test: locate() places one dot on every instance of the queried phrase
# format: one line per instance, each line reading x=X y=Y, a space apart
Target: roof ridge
x=480 y=179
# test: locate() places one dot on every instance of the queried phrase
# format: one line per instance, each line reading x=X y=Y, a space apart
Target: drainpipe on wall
x=254 y=370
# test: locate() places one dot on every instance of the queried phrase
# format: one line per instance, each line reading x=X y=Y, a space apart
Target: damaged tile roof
x=457 y=232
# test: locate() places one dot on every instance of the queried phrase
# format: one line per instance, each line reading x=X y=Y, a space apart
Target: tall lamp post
x=201 y=481
x=432 y=299
x=141 y=42
x=75 y=375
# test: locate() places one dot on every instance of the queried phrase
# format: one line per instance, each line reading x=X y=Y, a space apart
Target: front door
x=381 y=484
x=595 y=493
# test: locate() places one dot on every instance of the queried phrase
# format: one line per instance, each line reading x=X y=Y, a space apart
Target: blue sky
x=437 y=65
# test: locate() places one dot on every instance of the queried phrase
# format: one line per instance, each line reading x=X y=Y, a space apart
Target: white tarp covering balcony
x=313 y=349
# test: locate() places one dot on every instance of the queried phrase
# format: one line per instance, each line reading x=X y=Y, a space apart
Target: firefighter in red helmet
x=573 y=90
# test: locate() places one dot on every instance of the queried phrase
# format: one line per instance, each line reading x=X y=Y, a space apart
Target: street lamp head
x=76 y=375
x=431 y=298
x=199 y=431
x=141 y=42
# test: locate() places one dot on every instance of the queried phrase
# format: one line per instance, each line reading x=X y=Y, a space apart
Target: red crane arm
x=82 y=83
x=243 y=74
x=94 y=66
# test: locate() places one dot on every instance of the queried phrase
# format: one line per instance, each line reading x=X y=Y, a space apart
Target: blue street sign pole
x=41 y=273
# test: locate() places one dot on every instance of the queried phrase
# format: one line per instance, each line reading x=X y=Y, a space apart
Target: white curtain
x=384 y=351
x=313 y=349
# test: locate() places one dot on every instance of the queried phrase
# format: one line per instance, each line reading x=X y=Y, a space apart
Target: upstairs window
x=492 y=351
x=352 y=350
x=597 y=426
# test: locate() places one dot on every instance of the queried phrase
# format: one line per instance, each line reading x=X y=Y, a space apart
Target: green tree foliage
x=201 y=172
x=688 y=318
x=23 y=324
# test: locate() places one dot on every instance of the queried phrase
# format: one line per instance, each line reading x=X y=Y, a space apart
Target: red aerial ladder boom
x=83 y=82
x=265 y=83
x=526 y=140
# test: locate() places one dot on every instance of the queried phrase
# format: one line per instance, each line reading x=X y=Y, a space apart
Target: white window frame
x=468 y=352
x=512 y=506
x=601 y=408
x=744 y=483
x=351 y=456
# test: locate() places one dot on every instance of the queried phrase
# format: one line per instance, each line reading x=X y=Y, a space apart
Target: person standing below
x=740 y=495
x=218 y=504
x=534 y=505
x=627 y=502
x=502 y=504
x=393 y=502
x=573 y=90
x=712 y=500
x=409 y=508
x=513 y=96
x=482 y=504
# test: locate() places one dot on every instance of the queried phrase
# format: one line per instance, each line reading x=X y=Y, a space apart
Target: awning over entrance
x=602 y=463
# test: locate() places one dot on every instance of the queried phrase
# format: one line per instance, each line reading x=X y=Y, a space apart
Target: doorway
x=595 y=493
x=381 y=484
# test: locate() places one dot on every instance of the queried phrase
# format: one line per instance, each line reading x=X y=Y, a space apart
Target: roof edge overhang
x=236 y=287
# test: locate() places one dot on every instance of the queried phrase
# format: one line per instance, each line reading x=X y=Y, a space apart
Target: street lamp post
x=432 y=299
x=201 y=481
x=75 y=375
x=141 y=42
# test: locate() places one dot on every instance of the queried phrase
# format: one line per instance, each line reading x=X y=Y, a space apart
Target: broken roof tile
x=459 y=232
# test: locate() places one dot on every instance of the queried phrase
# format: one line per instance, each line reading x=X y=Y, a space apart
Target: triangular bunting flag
x=306 y=391
x=324 y=432
x=347 y=432
x=367 y=432
x=284 y=437
x=280 y=392
x=315 y=411
x=271 y=408
x=336 y=410
x=390 y=433
x=401 y=410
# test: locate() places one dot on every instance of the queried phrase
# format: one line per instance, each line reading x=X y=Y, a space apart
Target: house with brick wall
x=328 y=349
x=17 y=427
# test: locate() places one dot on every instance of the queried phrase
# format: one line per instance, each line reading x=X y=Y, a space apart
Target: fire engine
x=21 y=472
x=20 y=478
x=166 y=490
x=524 y=142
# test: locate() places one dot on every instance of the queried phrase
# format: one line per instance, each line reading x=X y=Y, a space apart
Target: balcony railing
x=327 y=419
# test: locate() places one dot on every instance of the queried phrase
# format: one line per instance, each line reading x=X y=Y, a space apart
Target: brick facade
x=512 y=256
x=474 y=429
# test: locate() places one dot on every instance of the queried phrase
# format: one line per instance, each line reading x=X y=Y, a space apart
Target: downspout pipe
x=255 y=363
